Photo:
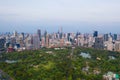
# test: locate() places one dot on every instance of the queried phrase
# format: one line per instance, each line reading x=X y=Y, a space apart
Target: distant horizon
x=57 y=30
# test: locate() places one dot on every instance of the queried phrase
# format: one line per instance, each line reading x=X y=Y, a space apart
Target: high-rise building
x=118 y=37
x=45 y=35
x=47 y=41
x=15 y=33
x=36 y=42
x=98 y=43
x=29 y=42
x=106 y=37
x=23 y=35
x=95 y=34
x=61 y=42
x=39 y=34
x=61 y=33
x=115 y=37
x=2 y=42
x=43 y=42
x=117 y=46
x=68 y=36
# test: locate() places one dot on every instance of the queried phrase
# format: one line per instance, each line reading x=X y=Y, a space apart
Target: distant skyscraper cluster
x=24 y=41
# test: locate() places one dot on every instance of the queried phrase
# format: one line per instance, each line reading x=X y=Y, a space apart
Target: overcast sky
x=71 y=15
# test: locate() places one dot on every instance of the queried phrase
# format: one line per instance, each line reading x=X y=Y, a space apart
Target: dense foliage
x=62 y=64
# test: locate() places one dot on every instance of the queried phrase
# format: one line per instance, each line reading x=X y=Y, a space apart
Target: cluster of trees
x=50 y=64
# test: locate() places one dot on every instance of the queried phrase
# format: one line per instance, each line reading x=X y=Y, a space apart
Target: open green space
x=61 y=64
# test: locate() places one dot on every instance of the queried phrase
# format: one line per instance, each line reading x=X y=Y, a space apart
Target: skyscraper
x=15 y=33
x=2 y=42
x=23 y=35
x=60 y=35
x=115 y=37
x=47 y=41
x=45 y=35
x=39 y=34
x=68 y=36
x=106 y=37
x=95 y=34
x=29 y=42
x=99 y=43
x=36 y=42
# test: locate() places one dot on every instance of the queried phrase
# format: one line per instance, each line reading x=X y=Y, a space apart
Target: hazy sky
x=50 y=15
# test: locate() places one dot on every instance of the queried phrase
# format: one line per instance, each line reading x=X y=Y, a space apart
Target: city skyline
x=58 y=30
x=78 y=15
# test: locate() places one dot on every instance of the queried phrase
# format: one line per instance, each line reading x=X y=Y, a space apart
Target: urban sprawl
x=10 y=42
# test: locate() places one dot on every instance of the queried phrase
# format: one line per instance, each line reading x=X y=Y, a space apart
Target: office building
x=47 y=41
x=36 y=42
x=98 y=43
x=95 y=34
x=106 y=37
x=39 y=34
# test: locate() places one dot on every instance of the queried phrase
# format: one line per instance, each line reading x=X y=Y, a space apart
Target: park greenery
x=60 y=64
